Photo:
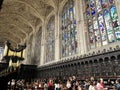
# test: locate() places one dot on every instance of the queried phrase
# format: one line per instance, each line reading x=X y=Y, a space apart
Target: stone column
x=77 y=26
x=57 y=28
x=37 y=49
x=117 y=3
x=26 y=61
x=28 y=51
x=33 y=49
x=43 y=41
x=81 y=30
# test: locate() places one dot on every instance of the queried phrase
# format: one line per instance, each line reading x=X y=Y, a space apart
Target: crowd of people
x=71 y=83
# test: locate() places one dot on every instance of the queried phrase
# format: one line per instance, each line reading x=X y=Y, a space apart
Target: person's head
x=92 y=78
x=50 y=80
x=118 y=81
x=86 y=80
x=101 y=80
x=70 y=78
x=73 y=77
x=77 y=83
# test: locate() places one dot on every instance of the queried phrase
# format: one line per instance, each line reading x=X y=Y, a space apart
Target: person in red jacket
x=50 y=85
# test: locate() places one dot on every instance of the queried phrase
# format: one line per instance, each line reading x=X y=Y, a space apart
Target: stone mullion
x=81 y=30
x=27 y=61
x=77 y=25
x=57 y=28
x=43 y=45
x=117 y=3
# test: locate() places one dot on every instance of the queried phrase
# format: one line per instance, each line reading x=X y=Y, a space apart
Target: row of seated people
x=71 y=83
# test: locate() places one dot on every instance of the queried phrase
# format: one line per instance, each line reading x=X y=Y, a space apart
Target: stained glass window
x=69 y=32
x=103 y=24
x=1 y=52
x=50 y=40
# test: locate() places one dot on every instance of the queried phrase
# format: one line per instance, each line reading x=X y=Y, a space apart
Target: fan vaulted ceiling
x=18 y=18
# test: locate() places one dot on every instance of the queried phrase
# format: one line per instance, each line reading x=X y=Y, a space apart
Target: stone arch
x=118 y=57
x=49 y=17
x=90 y=61
x=86 y=62
x=72 y=65
x=113 y=58
x=75 y=64
x=100 y=60
x=62 y=6
x=106 y=58
x=82 y=63
x=78 y=63
x=68 y=65
x=95 y=61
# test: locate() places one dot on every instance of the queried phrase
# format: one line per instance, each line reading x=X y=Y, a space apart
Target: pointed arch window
x=50 y=40
x=69 y=32
x=103 y=24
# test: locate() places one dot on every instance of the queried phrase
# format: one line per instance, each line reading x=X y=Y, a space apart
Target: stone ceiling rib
x=16 y=26
x=32 y=7
x=12 y=41
x=20 y=17
x=10 y=36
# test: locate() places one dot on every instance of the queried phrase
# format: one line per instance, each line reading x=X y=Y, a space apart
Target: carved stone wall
x=37 y=49
x=29 y=52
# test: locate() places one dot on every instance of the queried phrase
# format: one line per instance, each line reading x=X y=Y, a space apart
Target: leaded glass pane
x=116 y=25
x=69 y=39
x=102 y=20
x=92 y=7
x=98 y=5
x=108 y=23
x=91 y=35
x=102 y=29
x=50 y=44
x=104 y=3
x=96 y=32
x=111 y=1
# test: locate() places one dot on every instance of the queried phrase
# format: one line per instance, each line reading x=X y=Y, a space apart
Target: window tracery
x=69 y=32
x=50 y=40
x=103 y=24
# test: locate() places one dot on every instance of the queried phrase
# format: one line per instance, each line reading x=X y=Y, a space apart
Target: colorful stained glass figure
x=91 y=35
x=71 y=9
x=116 y=25
x=98 y=5
x=114 y=16
x=68 y=35
x=92 y=6
x=102 y=29
x=109 y=26
x=103 y=23
x=104 y=3
x=111 y=1
x=96 y=32
x=87 y=6
x=88 y=13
